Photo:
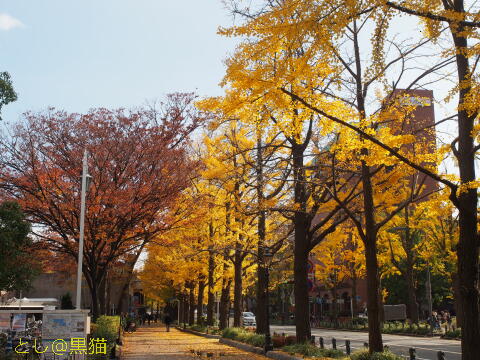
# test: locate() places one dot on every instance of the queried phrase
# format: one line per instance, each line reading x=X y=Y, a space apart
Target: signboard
x=4 y=322
x=395 y=312
x=56 y=326
x=19 y=321
x=415 y=101
x=59 y=328
x=77 y=325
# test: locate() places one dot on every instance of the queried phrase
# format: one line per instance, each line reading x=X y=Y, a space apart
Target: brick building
x=421 y=123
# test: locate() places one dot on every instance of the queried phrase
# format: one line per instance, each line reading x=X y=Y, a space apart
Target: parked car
x=248 y=319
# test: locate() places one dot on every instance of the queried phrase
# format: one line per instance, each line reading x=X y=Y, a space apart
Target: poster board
x=56 y=326
x=19 y=322
x=61 y=327
x=77 y=325
x=4 y=323
x=395 y=312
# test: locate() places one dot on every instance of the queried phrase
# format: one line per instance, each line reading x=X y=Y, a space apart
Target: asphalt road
x=426 y=347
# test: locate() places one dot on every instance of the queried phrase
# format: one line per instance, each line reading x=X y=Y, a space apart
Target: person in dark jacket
x=167 y=320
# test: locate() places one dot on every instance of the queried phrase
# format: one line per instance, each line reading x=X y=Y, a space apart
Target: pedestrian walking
x=167 y=320
x=448 y=319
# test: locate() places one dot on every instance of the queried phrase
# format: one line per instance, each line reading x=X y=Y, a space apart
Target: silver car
x=248 y=319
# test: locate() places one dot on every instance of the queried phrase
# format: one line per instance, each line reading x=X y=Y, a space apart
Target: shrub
x=93 y=328
x=244 y=336
x=278 y=341
x=365 y=355
x=310 y=350
x=199 y=328
x=66 y=301
x=231 y=333
x=457 y=333
x=290 y=340
x=255 y=339
x=106 y=327
x=423 y=331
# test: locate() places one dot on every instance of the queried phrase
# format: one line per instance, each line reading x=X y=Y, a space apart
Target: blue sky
x=75 y=55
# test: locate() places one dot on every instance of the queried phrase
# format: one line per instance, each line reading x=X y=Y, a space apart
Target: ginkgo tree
x=318 y=30
x=311 y=53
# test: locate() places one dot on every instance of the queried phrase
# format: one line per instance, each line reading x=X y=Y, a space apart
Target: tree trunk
x=469 y=242
x=94 y=282
x=191 y=305
x=302 y=318
x=456 y=298
x=101 y=296
x=261 y=311
x=130 y=268
x=354 y=295
x=186 y=309
x=409 y=274
x=201 y=290
x=238 y=288
x=95 y=305
x=211 y=285
x=108 y=297
x=412 y=297
x=373 y=277
x=226 y=280
x=182 y=309
x=225 y=302
x=238 y=258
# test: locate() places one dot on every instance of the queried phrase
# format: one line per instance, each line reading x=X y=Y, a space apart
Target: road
x=426 y=348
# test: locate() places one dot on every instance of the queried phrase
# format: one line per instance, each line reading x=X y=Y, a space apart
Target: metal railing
x=348 y=348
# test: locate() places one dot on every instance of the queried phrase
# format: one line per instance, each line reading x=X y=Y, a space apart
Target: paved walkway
x=152 y=343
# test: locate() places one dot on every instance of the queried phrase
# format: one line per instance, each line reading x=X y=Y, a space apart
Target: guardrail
x=348 y=348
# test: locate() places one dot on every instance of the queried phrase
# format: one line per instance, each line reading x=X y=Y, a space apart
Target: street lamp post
x=267 y=256
x=85 y=183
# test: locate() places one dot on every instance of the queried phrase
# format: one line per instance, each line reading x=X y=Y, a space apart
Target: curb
x=242 y=346
x=278 y=355
x=450 y=338
x=193 y=332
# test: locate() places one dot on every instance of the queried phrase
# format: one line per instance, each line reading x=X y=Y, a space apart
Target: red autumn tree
x=139 y=163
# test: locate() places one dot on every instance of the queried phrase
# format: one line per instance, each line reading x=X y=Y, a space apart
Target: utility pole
x=85 y=177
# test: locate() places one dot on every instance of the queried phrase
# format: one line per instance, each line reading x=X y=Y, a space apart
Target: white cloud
x=8 y=22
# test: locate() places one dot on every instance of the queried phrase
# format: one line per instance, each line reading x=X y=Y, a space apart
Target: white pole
x=78 y=304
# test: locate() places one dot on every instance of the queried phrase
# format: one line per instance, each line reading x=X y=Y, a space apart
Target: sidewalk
x=152 y=343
